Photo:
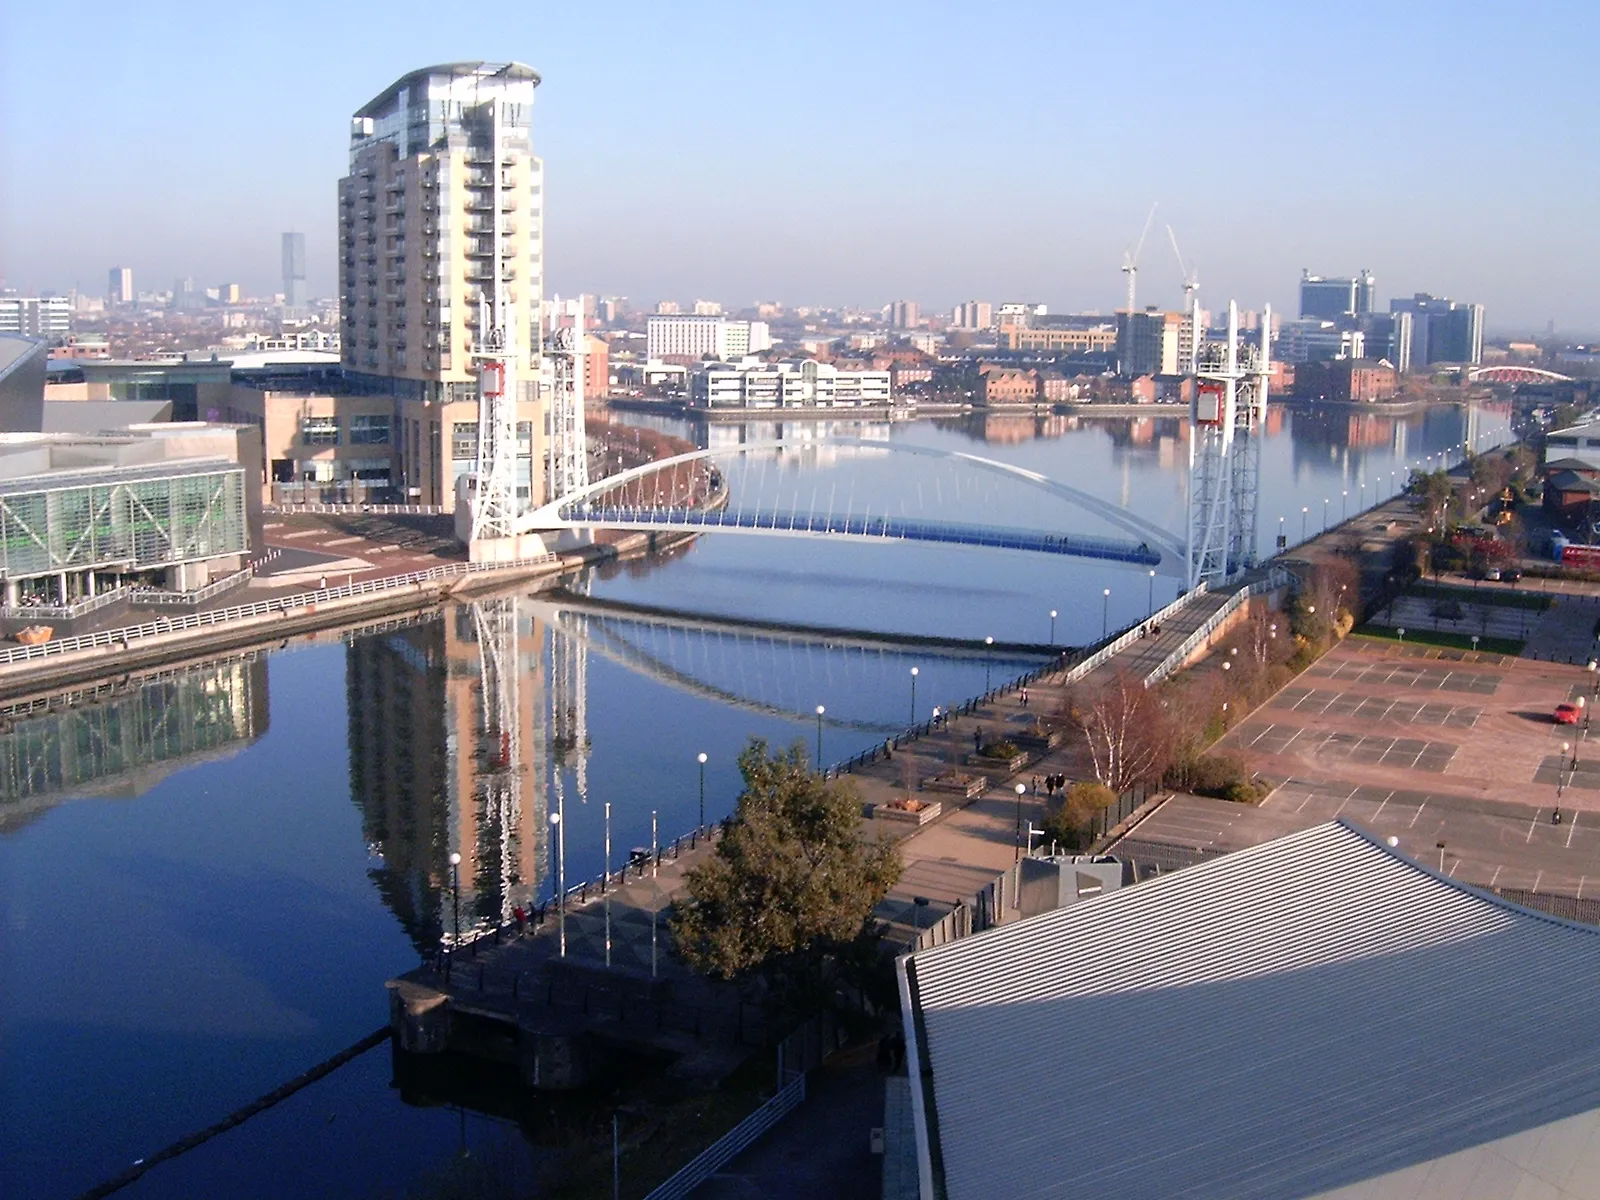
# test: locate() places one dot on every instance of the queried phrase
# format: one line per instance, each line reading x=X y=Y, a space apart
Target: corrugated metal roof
x=1286 y=1020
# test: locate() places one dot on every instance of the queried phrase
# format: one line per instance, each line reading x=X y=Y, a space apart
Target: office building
x=120 y=289
x=444 y=198
x=973 y=314
x=1317 y=340
x=707 y=308
x=1442 y=330
x=803 y=384
x=168 y=504
x=1151 y=342
x=47 y=317
x=1388 y=337
x=294 y=270
x=1065 y=333
x=699 y=337
x=905 y=314
x=1329 y=298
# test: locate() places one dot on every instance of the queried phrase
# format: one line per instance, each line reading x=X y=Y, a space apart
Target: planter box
x=968 y=789
x=1036 y=741
x=921 y=816
x=1004 y=767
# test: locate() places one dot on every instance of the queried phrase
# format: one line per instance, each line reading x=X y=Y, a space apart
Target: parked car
x=1566 y=714
x=1511 y=575
x=1491 y=573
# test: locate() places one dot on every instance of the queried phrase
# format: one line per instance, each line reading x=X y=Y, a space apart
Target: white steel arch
x=550 y=516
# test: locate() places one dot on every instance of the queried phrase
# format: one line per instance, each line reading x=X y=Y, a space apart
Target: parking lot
x=1508 y=803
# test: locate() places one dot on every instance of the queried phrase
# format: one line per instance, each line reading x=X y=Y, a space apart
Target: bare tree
x=1123 y=726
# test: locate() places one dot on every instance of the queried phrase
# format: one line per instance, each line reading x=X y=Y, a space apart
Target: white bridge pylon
x=567 y=512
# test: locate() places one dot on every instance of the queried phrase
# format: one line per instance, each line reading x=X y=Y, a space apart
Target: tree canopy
x=792 y=880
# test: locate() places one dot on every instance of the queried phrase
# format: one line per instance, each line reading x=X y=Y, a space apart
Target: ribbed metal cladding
x=1284 y=1021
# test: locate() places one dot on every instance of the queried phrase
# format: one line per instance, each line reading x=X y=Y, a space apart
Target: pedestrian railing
x=262 y=608
x=729 y=1145
x=1275 y=578
x=332 y=509
x=1130 y=635
x=64 y=612
x=210 y=591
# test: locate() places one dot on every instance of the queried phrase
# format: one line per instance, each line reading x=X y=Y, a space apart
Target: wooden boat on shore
x=34 y=635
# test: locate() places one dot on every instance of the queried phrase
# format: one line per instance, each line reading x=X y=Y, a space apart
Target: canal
x=205 y=877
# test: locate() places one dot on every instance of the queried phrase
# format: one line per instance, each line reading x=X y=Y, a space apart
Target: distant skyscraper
x=1328 y=298
x=1442 y=330
x=294 y=270
x=904 y=314
x=707 y=308
x=443 y=201
x=121 y=288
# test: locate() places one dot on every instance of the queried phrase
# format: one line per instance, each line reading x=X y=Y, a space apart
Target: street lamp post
x=702 y=761
x=1344 y=505
x=988 y=643
x=1105 y=613
x=820 y=711
x=1304 y=510
x=1052 y=628
x=1152 y=591
x=1402 y=632
x=1022 y=790
x=1324 y=514
x=455 y=904
x=561 y=877
x=914 y=673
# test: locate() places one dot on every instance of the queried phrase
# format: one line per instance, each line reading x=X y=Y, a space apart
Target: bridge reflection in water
x=467 y=730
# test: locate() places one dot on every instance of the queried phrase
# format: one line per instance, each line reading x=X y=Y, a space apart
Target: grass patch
x=1439 y=637
x=1486 y=593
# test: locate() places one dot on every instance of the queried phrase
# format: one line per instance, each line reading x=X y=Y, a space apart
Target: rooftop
x=1315 y=1016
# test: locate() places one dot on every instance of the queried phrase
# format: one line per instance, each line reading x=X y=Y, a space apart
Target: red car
x=1567 y=714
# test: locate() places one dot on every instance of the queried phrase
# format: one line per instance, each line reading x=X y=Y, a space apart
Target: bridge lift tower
x=496 y=624
x=1226 y=414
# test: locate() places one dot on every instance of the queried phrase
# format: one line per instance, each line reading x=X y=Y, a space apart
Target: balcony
x=479 y=204
x=479 y=179
x=480 y=248
x=478 y=273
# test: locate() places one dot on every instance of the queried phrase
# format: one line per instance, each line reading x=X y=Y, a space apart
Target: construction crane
x=1130 y=260
x=1191 y=275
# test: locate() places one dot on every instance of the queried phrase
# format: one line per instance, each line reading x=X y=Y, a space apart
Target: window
x=320 y=431
x=464 y=439
x=369 y=431
x=524 y=438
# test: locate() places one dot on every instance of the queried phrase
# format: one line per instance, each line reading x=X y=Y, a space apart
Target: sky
x=849 y=153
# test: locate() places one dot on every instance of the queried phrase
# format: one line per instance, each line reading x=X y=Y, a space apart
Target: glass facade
x=153 y=521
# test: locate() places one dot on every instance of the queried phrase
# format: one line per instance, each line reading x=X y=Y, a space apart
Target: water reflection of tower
x=444 y=719
x=569 y=712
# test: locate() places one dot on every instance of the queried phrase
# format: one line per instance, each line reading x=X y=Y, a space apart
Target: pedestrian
x=1024 y=697
x=521 y=916
x=977 y=740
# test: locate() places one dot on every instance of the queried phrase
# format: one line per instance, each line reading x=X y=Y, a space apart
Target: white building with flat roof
x=686 y=335
x=46 y=317
x=805 y=383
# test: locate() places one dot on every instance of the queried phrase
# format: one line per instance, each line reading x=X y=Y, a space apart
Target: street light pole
x=1052 y=628
x=820 y=711
x=1303 y=511
x=1022 y=790
x=1324 y=514
x=455 y=904
x=1152 y=591
x=987 y=654
x=914 y=695
x=1344 y=505
x=702 y=824
x=1105 y=613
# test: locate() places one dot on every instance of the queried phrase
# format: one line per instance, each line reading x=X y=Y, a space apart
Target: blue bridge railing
x=894 y=528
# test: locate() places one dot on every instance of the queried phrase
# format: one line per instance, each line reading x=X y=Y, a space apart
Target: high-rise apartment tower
x=431 y=217
x=120 y=290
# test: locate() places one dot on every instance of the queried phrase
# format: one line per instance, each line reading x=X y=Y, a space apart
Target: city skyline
x=857 y=158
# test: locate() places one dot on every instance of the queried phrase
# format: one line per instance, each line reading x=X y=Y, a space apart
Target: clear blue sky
x=849 y=153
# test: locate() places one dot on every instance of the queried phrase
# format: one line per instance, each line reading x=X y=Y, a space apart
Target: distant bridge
x=606 y=504
x=1515 y=374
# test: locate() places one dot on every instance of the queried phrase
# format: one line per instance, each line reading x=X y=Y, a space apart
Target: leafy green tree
x=788 y=895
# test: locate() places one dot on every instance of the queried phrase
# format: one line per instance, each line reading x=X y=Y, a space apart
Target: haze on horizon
x=841 y=154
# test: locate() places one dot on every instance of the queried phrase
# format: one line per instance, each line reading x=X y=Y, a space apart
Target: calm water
x=204 y=881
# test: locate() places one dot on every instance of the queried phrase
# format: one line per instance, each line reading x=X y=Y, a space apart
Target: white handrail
x=222 y=616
